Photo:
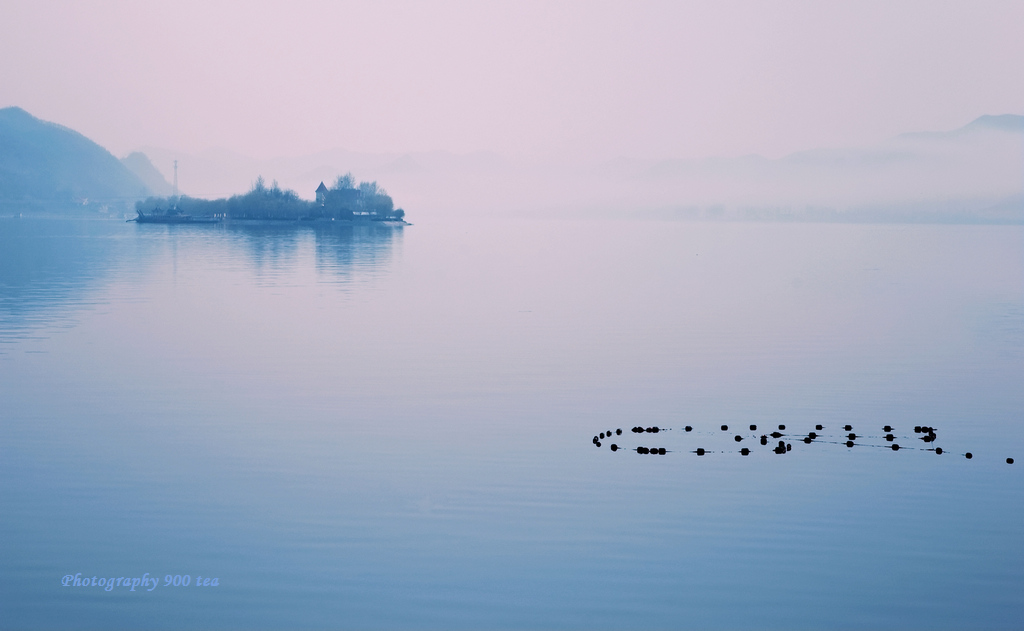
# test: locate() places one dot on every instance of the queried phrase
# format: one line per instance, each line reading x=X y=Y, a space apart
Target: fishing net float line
x=928 y=436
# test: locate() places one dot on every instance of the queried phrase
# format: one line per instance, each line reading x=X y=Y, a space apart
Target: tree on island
x=343 y=182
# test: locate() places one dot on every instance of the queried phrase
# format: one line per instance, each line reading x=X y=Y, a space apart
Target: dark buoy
x=847 y=427
x=608 y=433
x=895 y=447
x=968 y=455
x=887 y=428
x=688 y=428
x=849 y=443
x=746 y=452
x=753 y=428
x=889 y=437
x=1009 y=461
x=642 y=450
x=738 y=438
x=618 y=432
x=851 y=436
x=614 y=447
x=776 y=435
x=807 y=439
x=812 y=435
x=782 y=427
x=700 y=451
x=818 y=427
x=725 y=428
x=764 y=440
x=598 y=444
x=789 y=447
x=661 y=451
x=595 y=440
x=917 y=429
x=938 y=450
x=602 y=434
x=930 y=438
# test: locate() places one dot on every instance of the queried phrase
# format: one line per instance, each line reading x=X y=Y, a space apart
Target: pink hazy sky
x=546 y=79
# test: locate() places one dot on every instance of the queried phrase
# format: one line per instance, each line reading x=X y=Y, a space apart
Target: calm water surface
x=381 y=427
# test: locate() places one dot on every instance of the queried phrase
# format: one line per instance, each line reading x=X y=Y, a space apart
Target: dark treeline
x=343 y=201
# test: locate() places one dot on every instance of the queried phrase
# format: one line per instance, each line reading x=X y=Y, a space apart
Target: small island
x=344 y=201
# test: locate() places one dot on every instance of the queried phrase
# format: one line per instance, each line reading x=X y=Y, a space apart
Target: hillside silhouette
x=42 y=163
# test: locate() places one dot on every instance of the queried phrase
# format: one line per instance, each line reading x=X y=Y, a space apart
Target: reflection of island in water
x=779 y=441
x=340 y=251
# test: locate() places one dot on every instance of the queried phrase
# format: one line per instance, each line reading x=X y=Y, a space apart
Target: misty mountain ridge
x=43 y=163
x=973 y=172
x=1011 y=123
x=901 y=148
x=139 y=164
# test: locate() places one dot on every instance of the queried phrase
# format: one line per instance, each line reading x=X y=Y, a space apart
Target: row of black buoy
x=783 y=447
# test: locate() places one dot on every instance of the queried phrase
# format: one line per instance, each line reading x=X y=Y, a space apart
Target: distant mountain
x=972 y=173
x=49 y=163
x=1002 y=123
x=139 y=164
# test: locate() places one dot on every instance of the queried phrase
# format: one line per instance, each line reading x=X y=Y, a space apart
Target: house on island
x=367 y=202
x=337 y=198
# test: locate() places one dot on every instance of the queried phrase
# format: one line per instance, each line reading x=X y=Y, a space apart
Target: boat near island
x=172 y=216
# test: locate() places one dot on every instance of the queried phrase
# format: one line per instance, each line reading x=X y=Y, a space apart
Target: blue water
x=375 y=427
